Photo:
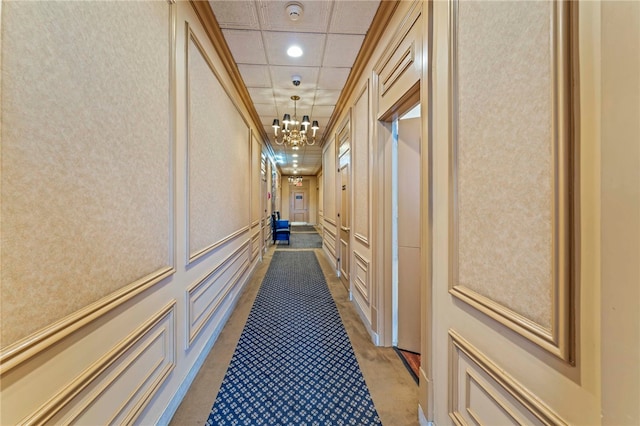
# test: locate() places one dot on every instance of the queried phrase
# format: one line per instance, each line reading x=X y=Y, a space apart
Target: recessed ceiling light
x=294 y=51
x=294 y=155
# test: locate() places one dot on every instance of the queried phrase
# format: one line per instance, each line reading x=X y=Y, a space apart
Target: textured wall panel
x=257 y=176
x=361 y=171
x=505 y=154
x=218 y=150
x=85 y=155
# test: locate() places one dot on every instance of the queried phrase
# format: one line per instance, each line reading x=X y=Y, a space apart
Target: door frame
x=343 y=139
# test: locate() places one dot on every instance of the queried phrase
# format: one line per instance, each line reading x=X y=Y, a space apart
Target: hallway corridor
x=394 y=392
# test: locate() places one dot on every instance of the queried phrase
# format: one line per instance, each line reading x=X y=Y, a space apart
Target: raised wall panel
x=118 y=386
x=480 y=392
x=401 y=66
x=257 y=176
x=362 y=279
x=511 y=161
x=361 y=167
x=205 y=297
x=329 y=183
x=86 y=151
x=218 y=157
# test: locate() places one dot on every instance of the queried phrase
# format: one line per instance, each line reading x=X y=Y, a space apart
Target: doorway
x=406 y=249
x=300 y=206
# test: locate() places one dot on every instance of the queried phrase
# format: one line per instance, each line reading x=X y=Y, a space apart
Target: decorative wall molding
x=558 y=339
x=330 y=221
x=400 y=55
x=508 y=395
x=192 y=38
x=86 y=252
x=197 y=255
x=213 y=289
x=98 y=383
x=362 y=177
x=362 y=279
x=389 y=76
x=24 y=349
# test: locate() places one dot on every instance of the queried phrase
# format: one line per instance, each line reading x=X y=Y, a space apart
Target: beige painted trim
x=391 y=76
x=376 y=30
x=110 y=360
x=191 y=36
x=472 y=377
x=362 y=287
x=331 y=221
x=196 y=323
x=217 y=244
x=30 y=346
x=559 y=339
x=458 y=345
x=361 y=237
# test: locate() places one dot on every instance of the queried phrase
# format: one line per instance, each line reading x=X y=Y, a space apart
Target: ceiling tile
x=246 y=46
x=333 y=78
x=262 y=95
x=276 y=44
x=352 y=17
x=239 y=14
x=266 y=110
x=327 y=97
x=341 y=50
x=255 y=75
x=315 y=17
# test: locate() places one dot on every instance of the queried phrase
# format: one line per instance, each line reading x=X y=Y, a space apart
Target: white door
x=408 y=214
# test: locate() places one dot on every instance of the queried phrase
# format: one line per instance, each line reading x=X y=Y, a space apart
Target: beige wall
x=126 y=236
x=620 y=209
x=310 y=183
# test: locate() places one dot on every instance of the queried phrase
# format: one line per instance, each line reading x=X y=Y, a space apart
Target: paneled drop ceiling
x=330 y=33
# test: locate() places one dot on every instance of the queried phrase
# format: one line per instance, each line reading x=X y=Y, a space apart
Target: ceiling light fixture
x=295 y=180
x=294 y=51
x=294 y=132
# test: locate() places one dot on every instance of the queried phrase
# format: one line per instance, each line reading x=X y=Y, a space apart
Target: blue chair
x=280 y=230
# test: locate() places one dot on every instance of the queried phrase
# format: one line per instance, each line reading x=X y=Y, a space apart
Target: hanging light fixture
x=294 y=132
x=295 y=180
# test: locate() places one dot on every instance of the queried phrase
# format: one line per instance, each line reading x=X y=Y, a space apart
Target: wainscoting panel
x=255 y=241
x=86 y=181
x=361 y=279
x=329 y=237
x=218 y=157
x=361 y=154
x=482 y=393
x=511 y=161
x=118 y=386
x=205 y=296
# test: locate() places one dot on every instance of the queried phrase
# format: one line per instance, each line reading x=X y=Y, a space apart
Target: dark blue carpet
x=294 y=364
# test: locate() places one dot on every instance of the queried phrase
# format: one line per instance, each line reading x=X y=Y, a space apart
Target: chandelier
x=295 y=180
x=294 y=132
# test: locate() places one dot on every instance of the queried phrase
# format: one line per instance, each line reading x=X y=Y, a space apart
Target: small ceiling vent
x=294 y=11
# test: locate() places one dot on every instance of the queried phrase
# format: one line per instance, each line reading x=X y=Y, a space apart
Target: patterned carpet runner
x=294 y=364
x=301 y=240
